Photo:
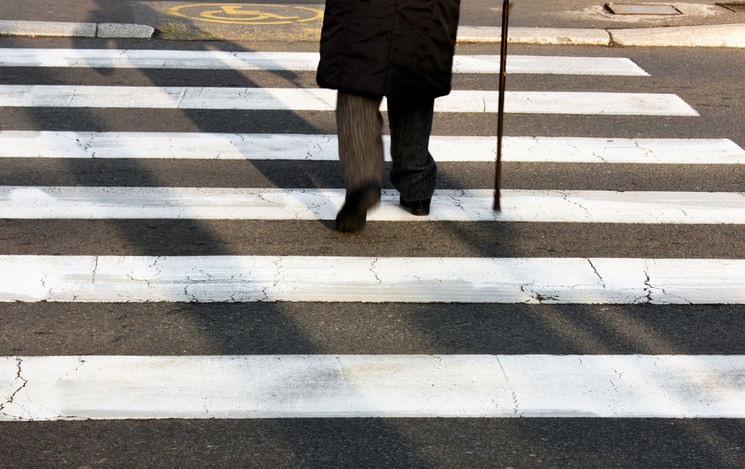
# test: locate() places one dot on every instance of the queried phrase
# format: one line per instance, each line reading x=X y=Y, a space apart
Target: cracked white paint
x=10 y=384
x=167 y=97
x=296 y=61
x=314 y=99
x=297 y=386
x=323 y=204
x=654 y=151
x=188 y=145
x=366 y=279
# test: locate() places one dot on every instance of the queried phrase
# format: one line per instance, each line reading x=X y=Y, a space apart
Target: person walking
x=398 y=49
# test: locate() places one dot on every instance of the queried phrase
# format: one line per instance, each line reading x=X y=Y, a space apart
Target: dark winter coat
x=401 y=48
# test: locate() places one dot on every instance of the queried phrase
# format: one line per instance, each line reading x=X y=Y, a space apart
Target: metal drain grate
x=641 y=9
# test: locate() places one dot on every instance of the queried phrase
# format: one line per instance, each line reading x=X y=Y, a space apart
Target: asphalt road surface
x=708 y=81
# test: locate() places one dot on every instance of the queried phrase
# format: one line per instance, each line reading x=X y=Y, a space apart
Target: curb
x=683 y=36
x=65 y=29
x=731 y=35
x=517 y=35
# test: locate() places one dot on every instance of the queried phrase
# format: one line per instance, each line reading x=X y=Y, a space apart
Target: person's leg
x=414 y=171
x=359 y=127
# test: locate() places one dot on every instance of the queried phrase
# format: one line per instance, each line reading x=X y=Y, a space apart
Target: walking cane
x=500 y=116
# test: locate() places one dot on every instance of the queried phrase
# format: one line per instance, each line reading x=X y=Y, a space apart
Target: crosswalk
x=343 y=385
x=298 y=99
x=22 y=202
x=372 y=279
x=310 y=147
x=379 y=386
x=296 y=61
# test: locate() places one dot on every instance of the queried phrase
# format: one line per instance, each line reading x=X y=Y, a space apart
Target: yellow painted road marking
x=247 y=13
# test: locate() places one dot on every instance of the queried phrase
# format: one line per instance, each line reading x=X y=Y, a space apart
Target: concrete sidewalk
x=578 y=22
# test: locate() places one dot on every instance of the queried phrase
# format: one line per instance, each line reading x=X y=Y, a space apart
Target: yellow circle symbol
x=244 y=13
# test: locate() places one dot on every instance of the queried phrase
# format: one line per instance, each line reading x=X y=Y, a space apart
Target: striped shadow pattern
x=312 y=99
x=224 y=146
x=413 y=386
x=371 y=280
x=361 y=385
x=39 y=202
x=296 y=61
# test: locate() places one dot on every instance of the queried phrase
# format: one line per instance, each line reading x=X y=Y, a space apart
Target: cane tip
x=497 y=207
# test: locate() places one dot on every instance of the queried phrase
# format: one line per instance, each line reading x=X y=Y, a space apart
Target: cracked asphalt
x=708 y=80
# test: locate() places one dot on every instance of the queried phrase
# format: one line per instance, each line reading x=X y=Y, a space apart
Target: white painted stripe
x=296 y=61
x=368 y=279
x=327 y=386
x=314 y=99
x=24 y=202
x=49 y=144
x=541 y=64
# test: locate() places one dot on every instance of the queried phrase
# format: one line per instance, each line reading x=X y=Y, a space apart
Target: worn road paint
x=247 y=13
x=356 y=386
x=297 y=61
x=313 y=99
x=548 y=206
x=28 y=278
x=202 y=145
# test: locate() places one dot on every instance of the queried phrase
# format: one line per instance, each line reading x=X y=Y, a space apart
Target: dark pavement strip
x=180 y=329
x=384 y=239
x=583 y=443
x=327 y=174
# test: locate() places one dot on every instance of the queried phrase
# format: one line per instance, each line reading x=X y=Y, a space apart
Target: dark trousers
x=359 y=126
